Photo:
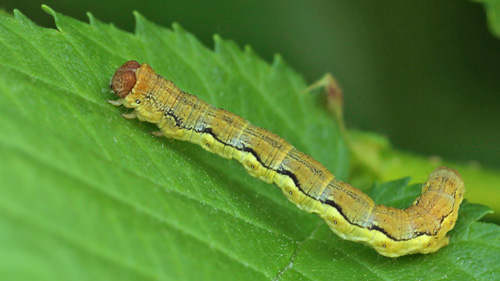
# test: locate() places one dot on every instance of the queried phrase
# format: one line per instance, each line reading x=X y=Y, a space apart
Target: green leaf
x=492 y=8
x=88 y=195
x=374 y=159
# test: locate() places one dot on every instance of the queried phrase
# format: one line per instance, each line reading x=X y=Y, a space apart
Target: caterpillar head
x=124 y=79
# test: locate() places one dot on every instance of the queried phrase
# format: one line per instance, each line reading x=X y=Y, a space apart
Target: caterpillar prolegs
x=349 y=212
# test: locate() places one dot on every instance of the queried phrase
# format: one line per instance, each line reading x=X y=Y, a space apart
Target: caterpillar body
x=351 y=214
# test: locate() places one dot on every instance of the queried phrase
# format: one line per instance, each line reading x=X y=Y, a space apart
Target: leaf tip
x=277 y=60
x=17 y=14
x=92 y=19
x=141 y=23
x=177 y=28
x=48 y=10
x=248 y=50
x=217 y=42
x=139 y=18
x=53 y=13
x=137 y=15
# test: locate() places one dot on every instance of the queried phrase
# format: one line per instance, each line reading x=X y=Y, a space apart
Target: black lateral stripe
x=294 y=178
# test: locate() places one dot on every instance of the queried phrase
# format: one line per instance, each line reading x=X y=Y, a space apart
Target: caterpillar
x=350 y=213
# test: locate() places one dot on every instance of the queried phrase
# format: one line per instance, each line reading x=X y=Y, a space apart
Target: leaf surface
x=88 y=195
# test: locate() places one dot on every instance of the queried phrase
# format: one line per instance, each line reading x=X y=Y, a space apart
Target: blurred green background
x=424 y=73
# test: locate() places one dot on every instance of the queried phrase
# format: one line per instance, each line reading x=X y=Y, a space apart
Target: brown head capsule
x=124 y=79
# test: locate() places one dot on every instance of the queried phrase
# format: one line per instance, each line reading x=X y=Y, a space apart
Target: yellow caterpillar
x=350 y=213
